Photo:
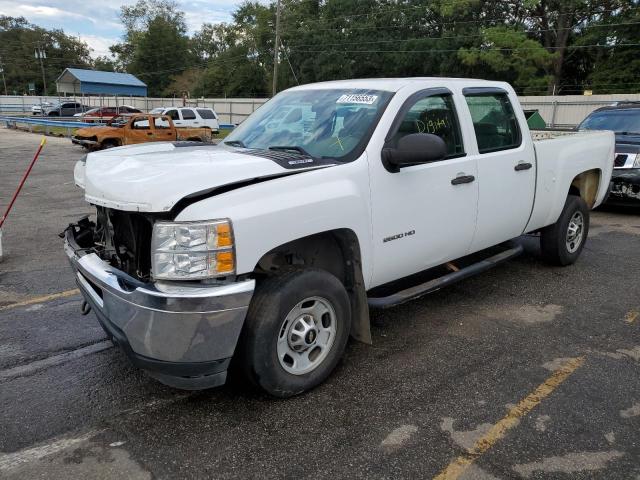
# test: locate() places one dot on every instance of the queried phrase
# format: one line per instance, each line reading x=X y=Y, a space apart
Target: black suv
x=65 y=109
x=624 y=120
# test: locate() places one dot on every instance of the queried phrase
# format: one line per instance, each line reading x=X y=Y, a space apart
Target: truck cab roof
x=395 y=84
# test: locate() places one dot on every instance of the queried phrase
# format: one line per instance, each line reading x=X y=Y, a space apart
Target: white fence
x=230 y=110
x=570 y=110
x=557 y=111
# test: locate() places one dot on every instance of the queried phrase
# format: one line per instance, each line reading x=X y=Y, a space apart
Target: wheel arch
x=336 y=251
x=587 y=185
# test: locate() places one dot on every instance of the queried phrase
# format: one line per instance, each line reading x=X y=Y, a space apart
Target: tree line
x=539 y=46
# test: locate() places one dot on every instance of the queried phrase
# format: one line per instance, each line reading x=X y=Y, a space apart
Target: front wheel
x=562 y=242
x=295 y=332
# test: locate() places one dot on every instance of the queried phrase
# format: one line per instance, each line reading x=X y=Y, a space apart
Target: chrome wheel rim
x=306 y=336
x=575 y=232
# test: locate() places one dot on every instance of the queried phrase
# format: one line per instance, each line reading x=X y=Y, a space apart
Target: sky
x=96 y=21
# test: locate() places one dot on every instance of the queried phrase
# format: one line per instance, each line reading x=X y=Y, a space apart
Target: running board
x=448 y=279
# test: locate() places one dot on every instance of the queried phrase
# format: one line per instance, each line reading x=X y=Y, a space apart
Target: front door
x=506 y=167
x=423 y=215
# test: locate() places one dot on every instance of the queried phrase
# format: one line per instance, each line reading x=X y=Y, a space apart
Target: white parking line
x=11 y=461
x=33 y=367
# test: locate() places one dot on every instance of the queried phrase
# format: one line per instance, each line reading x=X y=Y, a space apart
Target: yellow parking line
x=631 y=316
x=510 y=420
x=44 y=298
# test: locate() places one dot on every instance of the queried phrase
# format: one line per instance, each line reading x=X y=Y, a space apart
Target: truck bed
x=560 y=157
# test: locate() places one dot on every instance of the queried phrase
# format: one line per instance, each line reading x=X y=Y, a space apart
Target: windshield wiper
x=235 y=143
x=294 y=148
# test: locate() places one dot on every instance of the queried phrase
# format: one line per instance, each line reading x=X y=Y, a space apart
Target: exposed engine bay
x=122 y=239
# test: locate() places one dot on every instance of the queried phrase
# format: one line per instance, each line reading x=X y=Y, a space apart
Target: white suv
x=193 y=117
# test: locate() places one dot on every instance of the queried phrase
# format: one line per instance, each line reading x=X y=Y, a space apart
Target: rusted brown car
x=137 y=128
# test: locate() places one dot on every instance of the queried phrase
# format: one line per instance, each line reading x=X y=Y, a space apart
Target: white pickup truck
x=332 y=198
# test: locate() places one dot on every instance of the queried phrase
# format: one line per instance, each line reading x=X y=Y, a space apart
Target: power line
x=452 y=37
x=449 y=50
x=460 y=22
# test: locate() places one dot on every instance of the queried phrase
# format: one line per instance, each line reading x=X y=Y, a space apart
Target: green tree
x=18 y=41
x=155 y=46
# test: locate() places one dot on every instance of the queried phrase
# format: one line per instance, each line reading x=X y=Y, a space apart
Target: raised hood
x=153 y=177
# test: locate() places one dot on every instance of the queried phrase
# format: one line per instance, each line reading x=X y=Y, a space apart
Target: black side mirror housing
x=414 y=149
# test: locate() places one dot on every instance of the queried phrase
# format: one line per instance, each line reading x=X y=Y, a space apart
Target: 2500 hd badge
x=400 y=235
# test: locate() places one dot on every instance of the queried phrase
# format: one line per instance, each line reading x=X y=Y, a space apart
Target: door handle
x=522 y=166
x=149 y=133
x=460 y=179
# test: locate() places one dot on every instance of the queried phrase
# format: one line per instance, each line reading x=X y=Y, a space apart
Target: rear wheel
x=295 y=332
x=562 y=242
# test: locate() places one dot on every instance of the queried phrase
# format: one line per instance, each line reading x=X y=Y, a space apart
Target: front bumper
x=625 y=186
x=84 y=142
x=182 y=334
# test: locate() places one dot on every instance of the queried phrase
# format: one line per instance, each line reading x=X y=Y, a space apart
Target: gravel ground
x=463 y=378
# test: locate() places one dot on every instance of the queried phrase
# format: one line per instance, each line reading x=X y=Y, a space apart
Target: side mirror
x=414 y=149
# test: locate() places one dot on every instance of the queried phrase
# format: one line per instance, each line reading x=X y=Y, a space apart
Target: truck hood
x=153 y=177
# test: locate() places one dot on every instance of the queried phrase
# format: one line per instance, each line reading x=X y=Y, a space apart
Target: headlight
x=636 y=162
x=192 y=250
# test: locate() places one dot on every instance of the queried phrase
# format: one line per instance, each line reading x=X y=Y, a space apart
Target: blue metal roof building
x=93 y=82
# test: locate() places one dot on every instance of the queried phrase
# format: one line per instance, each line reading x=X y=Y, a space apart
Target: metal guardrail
x=12 y=122
x=69 y=123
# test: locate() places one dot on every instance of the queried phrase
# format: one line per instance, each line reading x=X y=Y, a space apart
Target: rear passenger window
x=206 y=113
x=187 y=114
x=494 y=121
x=435 y=115
x=140 y=124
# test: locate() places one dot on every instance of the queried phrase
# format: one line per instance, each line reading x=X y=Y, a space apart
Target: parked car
x=159 y=110
x=137 y=128
x=65 y=109
x=193 y=117
x=624 y=119
x=330 y=199
x=105 y=113
x=37 y=109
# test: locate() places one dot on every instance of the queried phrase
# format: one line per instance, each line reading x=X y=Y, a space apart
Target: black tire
x=274 y=299
x=554 y=241
x=109 y=143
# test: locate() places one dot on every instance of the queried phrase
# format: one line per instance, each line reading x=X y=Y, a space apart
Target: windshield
x=118 y=121
x=620 y=121
x=320 y=123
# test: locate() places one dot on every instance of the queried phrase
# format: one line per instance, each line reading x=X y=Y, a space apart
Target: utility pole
x=4 y=82
x=41 y=54
x=275 y=51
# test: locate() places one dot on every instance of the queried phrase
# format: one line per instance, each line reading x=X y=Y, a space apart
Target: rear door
x=188 y=118
x=163 y=130
x=506 y=166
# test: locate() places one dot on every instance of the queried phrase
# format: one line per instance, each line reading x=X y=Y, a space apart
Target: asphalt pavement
x=527 y=371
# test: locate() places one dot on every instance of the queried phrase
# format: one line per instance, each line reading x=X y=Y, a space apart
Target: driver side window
x=435 y=115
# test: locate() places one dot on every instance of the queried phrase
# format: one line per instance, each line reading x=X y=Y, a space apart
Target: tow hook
x=85 y=308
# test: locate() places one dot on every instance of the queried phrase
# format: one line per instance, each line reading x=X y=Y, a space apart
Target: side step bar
x=448 y=279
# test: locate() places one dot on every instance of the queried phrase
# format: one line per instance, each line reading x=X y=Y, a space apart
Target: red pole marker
x=24 y=179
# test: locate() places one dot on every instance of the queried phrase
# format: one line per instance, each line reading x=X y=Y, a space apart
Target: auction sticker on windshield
x=357 y=98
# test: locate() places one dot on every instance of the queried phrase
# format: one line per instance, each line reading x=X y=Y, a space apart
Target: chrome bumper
x=183 y=334
x=83 y=142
